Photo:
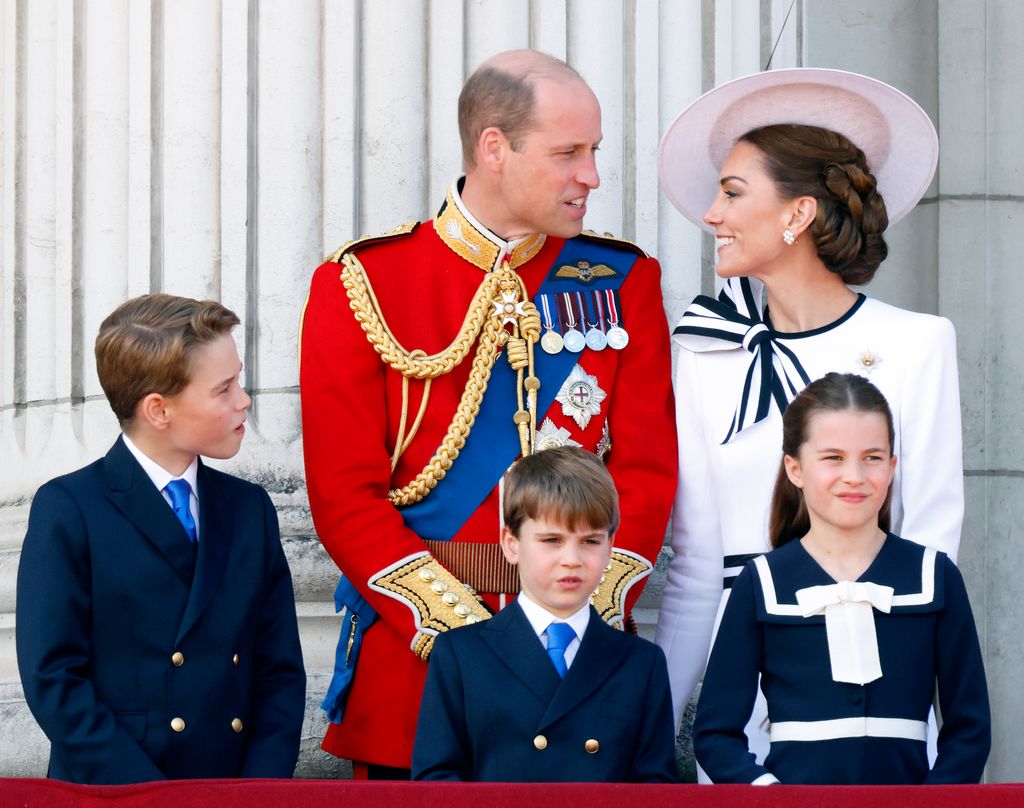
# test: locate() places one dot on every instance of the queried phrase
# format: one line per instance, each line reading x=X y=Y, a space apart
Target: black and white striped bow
x=734 y=321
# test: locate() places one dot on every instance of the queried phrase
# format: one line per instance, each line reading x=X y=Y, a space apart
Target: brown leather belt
x=482 y=566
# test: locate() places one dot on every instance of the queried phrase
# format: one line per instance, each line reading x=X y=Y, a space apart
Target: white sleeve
x=693 y=589
x=931 y=493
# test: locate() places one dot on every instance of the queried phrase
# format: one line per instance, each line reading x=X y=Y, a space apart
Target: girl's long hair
x=833 y=392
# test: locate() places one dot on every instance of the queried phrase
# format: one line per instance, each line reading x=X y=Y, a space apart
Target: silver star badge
x=550 y=436
x=580 y=397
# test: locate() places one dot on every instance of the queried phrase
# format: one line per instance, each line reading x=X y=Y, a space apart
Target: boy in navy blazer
x=156 y=627
x=545 y=690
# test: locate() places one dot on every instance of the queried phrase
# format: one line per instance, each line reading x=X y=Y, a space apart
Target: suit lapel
x=599 y=654
x=513 y=640
x=132 y=492
x=215 y=533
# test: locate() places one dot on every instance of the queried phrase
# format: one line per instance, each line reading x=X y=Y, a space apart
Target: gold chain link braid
x=478 y=322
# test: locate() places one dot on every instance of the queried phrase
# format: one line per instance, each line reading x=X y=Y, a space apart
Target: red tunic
x=351 y=408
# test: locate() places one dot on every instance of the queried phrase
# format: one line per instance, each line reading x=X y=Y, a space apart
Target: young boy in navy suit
x=545 y=690
x=156 y=627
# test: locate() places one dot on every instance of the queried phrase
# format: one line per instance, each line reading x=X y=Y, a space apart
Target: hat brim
x=896 y=135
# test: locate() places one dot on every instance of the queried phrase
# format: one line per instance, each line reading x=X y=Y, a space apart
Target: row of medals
x=604 y=333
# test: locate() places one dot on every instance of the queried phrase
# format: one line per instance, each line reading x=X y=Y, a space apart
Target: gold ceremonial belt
x=482 y=566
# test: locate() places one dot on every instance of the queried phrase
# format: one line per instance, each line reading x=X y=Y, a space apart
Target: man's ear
x=152 y=410
x=509 y=546
x=793 y=470
x=492 y=149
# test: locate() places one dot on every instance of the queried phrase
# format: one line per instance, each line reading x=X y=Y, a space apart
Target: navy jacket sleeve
x=442 y=750
x=654 y=760
x=729 y=689
x=279 y=679
x=965 y=736
x=54 y=604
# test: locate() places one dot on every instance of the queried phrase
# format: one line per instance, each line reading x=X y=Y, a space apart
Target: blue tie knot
x=559 y=637
x=178 y=491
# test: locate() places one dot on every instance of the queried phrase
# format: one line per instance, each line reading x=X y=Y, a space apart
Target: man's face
x=544 y=185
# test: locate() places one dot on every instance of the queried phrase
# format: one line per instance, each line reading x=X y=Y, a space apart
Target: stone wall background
x=220 y=148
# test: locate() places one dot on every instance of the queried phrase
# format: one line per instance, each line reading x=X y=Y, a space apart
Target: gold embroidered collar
x=475 y=243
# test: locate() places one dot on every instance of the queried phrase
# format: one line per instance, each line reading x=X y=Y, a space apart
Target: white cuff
x=766 y=779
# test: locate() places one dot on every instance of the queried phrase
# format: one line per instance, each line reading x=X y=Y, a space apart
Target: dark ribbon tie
x=734 y=321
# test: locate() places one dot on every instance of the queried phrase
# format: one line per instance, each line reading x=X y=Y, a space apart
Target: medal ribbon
x=545 y=305
x=570 y=311
x=613 y=309
x=600 y=309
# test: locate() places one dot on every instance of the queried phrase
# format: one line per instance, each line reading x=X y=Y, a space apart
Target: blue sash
x=493 y=444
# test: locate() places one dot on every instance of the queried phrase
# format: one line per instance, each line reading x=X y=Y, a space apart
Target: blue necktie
x=179 y=491
x=559 y=637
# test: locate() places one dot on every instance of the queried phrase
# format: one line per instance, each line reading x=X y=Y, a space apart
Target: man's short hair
x=147 y=344
x=565 y=484
x=494 y=96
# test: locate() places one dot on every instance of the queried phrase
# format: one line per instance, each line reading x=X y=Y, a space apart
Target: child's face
x=208 y=416
x=845 y=468
x=559 y=568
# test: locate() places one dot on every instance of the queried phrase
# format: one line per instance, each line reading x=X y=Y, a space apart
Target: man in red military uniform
x=433 y=356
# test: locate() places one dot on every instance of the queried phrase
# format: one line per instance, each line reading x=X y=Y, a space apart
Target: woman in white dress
x=798 y=173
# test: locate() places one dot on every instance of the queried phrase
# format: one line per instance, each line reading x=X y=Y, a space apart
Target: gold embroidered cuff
x=625 y=569
x=439 y=601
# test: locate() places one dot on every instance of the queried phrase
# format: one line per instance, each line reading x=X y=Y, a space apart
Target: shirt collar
x=158 y=474
x=540 y=618
x=469 y=239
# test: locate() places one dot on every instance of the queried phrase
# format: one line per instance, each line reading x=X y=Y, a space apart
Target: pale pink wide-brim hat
x=895 y=134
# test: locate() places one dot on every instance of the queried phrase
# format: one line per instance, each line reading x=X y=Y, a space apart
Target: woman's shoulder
x=913 y=322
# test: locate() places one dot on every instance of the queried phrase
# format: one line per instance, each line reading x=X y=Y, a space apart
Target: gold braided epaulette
x=365 y=241
x=439 y=601
x=624 y=570
x=590 y=235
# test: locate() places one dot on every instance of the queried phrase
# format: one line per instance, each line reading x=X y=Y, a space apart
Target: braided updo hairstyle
x=811 y=161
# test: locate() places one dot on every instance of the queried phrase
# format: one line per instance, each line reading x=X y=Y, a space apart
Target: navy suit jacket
x=122 y=628
x=494 y=708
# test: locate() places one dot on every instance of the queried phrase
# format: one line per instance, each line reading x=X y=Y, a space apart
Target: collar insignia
x=473 y=242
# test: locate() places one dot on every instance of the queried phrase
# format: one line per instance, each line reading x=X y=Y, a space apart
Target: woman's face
x=748 y=216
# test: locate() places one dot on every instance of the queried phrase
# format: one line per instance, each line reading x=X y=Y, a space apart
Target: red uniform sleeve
x=641 y=420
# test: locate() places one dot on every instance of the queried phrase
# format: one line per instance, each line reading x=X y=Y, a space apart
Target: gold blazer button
x=591 y=746
x=236 y=724
x=540 y=742
x=178 y=724
x=177 y=659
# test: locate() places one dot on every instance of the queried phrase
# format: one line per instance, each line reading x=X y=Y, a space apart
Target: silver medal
x=574 y=340
x=617 y=337
x=551 y=342
x=596 y=340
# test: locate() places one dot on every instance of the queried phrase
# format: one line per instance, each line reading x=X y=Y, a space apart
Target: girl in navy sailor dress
x=852 y=630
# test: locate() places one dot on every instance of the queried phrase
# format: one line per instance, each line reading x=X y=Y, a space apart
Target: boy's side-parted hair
x=146 y=345
x=567 y=484
x=834 y=392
